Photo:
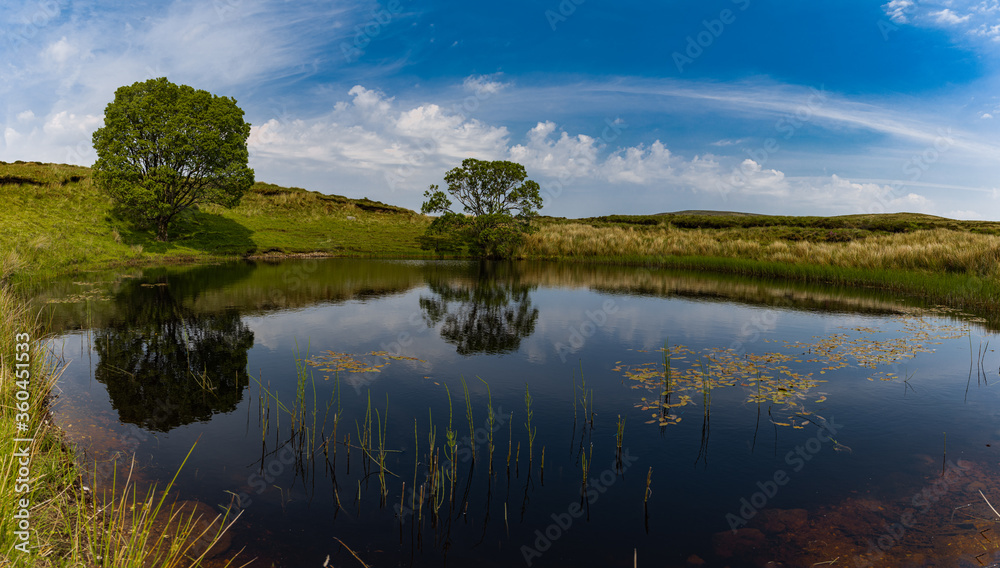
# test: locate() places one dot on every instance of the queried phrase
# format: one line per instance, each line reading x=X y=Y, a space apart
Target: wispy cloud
x=374 y=135
x=968 y=19
x=897 y=10
x=76 y=59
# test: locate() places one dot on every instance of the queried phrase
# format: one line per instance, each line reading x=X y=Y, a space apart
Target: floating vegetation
x=783 y=380
x=371 y=362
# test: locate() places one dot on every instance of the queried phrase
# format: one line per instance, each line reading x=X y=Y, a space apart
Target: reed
x=585 y=461
x=517 y=460
x=706 y=394
x=490 y=423
x=451 y=444
x=416 y=463
x=541 y=471
x=468 y=415
x=510 y=439
x=126 y=529
x=585 y=398
x=619 y=436
x=382 y=451
x=364 y=430
x=532 y=431
x=649 y=480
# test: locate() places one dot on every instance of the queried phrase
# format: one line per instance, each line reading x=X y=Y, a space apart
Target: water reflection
x=489 y=312
x=303 y=453
x=166 y=365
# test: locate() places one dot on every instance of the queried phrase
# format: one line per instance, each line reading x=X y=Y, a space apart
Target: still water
x=420 y=413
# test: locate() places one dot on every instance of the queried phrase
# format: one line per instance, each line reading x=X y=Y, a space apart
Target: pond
x=432 y=413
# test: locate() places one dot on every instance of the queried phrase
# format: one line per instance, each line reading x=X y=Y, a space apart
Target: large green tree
x=499 y=200
x=165 y=148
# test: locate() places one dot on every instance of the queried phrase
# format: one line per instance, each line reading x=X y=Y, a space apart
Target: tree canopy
x=500 y=200
x=165 y=148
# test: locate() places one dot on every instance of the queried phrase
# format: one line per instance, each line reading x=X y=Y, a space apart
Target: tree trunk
x=161 y=229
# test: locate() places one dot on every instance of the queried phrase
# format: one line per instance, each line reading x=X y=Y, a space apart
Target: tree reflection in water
x=165 y=365
x=490 y=311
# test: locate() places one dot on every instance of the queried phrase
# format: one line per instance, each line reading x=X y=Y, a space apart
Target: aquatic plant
x=490 y=422
x=468 y=415
x=451 y=442
x=532 y=432
x=619 y=436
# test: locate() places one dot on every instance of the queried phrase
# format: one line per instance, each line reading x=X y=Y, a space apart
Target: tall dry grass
x=938 y=250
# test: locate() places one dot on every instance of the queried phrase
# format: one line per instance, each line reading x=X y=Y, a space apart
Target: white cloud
x=897 y=9
x=485 y=85
x=948 y=17
x=974 y=19
x=61 y=51
x=25 y=116
x=965 y=215
x=563 y=157
x=371 y=136
x=66 y=127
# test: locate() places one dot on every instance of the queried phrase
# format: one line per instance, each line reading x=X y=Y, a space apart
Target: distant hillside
x=55 y=219
x=769 y=228
x=710 y=213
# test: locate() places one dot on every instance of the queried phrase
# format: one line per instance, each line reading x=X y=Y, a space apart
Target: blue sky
x=613 y=107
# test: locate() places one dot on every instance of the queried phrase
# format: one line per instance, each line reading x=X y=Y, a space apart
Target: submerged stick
x=352 y=552
x=988 y=503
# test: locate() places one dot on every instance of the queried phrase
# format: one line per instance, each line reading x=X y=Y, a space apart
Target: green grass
x=941 y=260
x=40 y=485
x=47 y=462
x=56 y=221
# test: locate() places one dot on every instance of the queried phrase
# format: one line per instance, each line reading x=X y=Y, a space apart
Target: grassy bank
x=32 y=473
x=947 y=261
x=56 y=221
x=48 y=518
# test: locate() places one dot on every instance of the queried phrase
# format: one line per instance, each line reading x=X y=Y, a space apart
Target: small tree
x=496 y=195
x=165 y=148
